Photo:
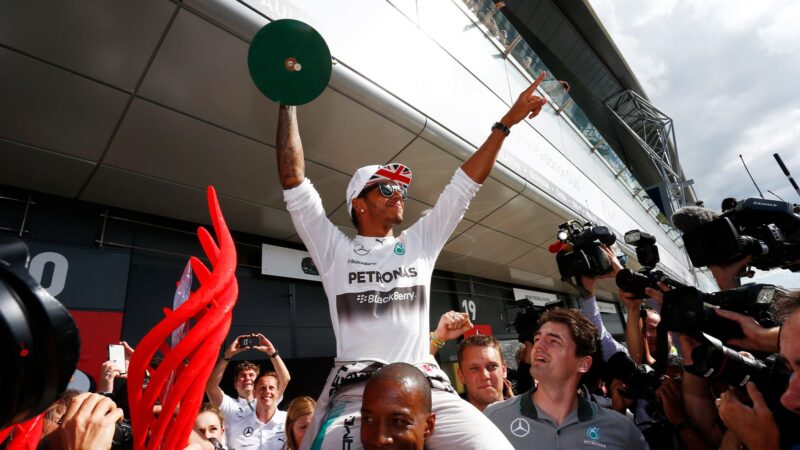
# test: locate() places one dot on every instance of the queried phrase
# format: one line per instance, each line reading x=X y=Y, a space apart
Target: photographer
x=789 y=345
x=671 y=394
x=752 y=426
x=88 y=422
x=752 y=232
x=633 y=327
x=755 y=425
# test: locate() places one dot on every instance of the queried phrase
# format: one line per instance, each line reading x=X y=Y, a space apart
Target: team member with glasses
x=378 y=284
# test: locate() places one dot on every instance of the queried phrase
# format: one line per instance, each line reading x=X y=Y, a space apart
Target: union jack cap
x=369 y=175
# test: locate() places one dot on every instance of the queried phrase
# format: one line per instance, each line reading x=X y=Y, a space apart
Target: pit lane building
x=115 y=116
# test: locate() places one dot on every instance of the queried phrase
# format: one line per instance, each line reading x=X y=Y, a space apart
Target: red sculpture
x=180 y=380
x=26 y=434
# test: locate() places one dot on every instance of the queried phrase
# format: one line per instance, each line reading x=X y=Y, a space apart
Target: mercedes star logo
x=520 y=427
x=248 y=432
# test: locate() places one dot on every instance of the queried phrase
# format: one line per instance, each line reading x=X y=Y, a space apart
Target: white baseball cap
x=369 y=175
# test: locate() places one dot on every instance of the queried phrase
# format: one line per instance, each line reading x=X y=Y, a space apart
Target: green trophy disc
x=289 y=62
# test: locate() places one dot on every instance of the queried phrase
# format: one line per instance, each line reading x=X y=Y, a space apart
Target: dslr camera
x=580 y=253
x=769 y=230
x=648 y=276
x=685 y=309
x=714 y=360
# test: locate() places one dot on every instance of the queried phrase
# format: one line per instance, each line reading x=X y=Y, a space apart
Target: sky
x=726 y=72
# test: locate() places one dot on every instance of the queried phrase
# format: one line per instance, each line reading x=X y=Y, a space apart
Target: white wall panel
x=447 y=25
x=408 y=8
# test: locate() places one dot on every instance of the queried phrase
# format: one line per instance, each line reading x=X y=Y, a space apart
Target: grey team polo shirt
x=588 y=427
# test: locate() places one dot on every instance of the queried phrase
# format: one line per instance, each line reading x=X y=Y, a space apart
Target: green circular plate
x=289 y=62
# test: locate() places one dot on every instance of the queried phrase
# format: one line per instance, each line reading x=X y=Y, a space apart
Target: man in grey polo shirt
x=553 y=415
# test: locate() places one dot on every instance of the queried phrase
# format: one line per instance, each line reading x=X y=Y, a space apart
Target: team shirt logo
x=348 y=439
x=593 y=433
x=376 y=276
x=399 y=249
x=247 y=432
x=372 y=303
x=520 y=427
x=377 y=298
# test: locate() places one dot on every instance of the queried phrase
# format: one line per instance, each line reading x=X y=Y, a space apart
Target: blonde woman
x=298 y=416
x=209 y=424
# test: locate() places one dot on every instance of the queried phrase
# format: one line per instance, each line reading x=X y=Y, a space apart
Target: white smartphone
x=116 y=354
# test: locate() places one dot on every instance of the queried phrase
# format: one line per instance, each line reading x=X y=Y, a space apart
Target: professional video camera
x=685 y=311
x=525 y=322
x=713 y=360
x=769 y=230
x=648 y=276
x=580 y=253
x=39 y=343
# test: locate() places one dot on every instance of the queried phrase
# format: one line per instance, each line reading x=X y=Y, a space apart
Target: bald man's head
x=396 y=409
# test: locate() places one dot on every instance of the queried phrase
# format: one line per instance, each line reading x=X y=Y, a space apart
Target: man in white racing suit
x=378 y=284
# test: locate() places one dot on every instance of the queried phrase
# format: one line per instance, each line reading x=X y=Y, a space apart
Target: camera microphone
x=689 y=218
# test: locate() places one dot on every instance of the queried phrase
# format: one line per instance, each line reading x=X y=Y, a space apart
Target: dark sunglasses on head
x=386 y=189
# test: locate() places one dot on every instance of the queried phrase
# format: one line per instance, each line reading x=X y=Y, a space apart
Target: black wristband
x=274 y=354
x=501 y=127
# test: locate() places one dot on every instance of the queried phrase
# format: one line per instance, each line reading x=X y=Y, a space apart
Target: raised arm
x=480 y=164
x=215 y=393
x=633 y=326
x=589 y=307
x=289 y=149
x=451 y=325
x=697 y=396
x=277 y=363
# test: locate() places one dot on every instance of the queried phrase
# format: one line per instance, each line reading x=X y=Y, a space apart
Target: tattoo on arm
x=289 y=148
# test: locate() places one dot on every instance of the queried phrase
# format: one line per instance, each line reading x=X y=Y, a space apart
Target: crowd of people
x=388 y=391
x=566 y=407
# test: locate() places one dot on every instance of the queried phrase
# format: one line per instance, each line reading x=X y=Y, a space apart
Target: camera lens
x=39 y=343
x=714 y=360
x=632 y=282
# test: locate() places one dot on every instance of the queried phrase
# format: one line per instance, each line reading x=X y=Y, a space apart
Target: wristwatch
x=501 y=127
x=274 y=354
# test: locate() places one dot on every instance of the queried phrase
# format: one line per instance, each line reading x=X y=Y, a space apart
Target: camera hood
x=39 y=342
